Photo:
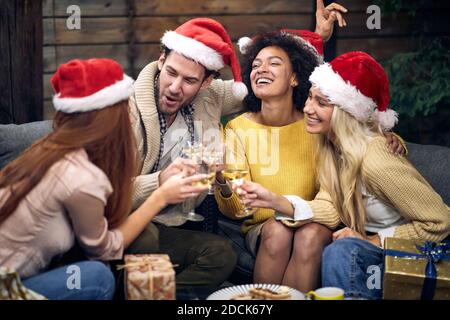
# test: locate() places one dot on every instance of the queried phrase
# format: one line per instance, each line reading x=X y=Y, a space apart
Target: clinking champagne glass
x=207 y=169
x=211 y=158
x=235 y=173
x=193 y=151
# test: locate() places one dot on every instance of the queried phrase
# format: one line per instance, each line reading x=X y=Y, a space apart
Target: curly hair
x=303 y=60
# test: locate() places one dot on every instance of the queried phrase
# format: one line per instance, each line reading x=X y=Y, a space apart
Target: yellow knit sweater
x=397 y=183
x=279 y=158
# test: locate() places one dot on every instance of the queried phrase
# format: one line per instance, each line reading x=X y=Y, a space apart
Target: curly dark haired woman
x=277 y=67
x=301 y=53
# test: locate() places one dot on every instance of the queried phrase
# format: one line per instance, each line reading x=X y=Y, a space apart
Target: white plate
x=228 y=293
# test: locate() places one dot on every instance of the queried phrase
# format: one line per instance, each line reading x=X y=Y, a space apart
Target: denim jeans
x=86 y=280
x=354 y=265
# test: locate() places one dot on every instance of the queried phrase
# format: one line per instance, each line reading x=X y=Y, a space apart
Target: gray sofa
x=432 y=161
x=14 y=139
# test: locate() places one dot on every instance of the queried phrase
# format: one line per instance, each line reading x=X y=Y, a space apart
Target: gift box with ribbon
x=416 y=270
x=149 y=277
x=11 y=287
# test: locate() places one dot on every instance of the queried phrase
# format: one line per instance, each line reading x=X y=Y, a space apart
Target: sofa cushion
x=14 y=139
x=433 y=162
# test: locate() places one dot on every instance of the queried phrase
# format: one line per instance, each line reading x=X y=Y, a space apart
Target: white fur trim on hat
x=107 y=96
x=386 y=119
x=193 y=49
x=244 y=44
x=239 y=90
x=342 y=93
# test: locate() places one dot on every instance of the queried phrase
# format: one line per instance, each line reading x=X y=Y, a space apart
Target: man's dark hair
x=302 y=57
x=216 y=74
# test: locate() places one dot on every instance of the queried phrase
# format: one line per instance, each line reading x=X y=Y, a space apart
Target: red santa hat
x=206 y=41
x=311 y=39
x=86 y=85
x=357 y=84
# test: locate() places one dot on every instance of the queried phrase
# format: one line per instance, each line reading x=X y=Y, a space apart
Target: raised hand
x=327 y=16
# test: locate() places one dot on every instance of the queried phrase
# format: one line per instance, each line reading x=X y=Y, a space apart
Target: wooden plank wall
x=105 y=27
x=129 y=30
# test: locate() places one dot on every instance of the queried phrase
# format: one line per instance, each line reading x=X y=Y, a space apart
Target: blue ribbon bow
x=433 y=252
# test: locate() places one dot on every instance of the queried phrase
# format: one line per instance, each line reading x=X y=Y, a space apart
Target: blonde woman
x=374 y=193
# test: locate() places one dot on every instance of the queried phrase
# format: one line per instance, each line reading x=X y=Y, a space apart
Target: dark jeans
x=203 y=259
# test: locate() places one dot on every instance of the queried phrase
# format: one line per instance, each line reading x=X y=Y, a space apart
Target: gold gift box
x=149 y=277
x=404 y=277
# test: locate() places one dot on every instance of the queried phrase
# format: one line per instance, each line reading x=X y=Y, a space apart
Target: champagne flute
x=211 y=158
x=235 y=173
x=207 y=169
x=193 y=151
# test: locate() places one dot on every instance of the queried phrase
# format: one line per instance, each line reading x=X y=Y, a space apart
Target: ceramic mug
x=326 y=293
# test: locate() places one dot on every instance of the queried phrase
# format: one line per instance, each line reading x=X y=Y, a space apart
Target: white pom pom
x=239 y=90
x=244 y=43
x=387 y=119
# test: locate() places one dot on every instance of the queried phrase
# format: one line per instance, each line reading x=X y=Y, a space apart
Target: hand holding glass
x=210 y=160
x=235 y=173
x=193 y=151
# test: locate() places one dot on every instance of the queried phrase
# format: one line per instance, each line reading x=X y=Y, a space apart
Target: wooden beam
x=6 y=113
x=48 y=8
x=20 y=61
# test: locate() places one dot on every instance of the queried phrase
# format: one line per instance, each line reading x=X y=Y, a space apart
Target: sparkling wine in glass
x=211 y=158
x=235 y=173
x=193 y=151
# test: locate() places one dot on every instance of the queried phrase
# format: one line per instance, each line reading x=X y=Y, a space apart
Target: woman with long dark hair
x=276 y=70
